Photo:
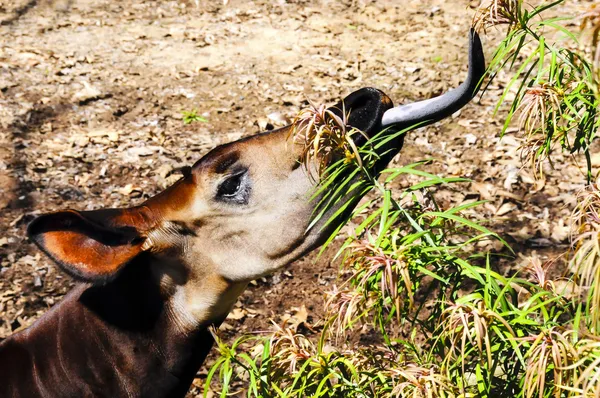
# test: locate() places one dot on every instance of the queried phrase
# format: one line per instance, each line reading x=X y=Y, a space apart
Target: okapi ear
x=82 y=247
x=366 y=107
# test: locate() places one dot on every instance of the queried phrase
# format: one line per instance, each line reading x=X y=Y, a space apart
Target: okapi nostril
x=365 y=108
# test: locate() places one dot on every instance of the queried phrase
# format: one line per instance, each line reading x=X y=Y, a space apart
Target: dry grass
x=415 y=381
x=539 y=109
x=493 y=13
x=552 y=349
x=585 y=261
x=344 y=307
x=369 y=260
x=325 y=136
x=468 y=327
x=290 y=349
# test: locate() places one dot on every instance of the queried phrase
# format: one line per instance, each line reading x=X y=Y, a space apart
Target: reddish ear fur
x=83 y=248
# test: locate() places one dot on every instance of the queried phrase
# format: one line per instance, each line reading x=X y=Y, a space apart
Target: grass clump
x=554 y=84
x=192 y=116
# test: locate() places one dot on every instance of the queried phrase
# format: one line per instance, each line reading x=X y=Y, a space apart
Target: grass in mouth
x=326 y=137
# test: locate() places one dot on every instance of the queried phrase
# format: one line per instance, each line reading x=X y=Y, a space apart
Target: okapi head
x=240 y=212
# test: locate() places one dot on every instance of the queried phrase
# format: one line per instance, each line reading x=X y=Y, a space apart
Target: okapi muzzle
x=155 y=276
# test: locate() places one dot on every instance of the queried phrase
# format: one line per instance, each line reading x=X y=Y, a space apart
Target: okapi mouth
x=371 y=112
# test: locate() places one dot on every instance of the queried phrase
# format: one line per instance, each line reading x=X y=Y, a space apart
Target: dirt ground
x=92 y=95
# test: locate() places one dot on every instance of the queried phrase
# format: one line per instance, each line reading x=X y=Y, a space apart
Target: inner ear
x=366 y=107
x=84 y=248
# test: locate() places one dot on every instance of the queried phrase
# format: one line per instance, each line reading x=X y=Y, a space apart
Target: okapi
x=155 y=276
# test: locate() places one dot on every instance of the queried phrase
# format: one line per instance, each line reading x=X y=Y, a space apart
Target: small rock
x=434 y=11
x=142 y=150
x=164 y=170
x=110 y=134
x=87 y=94
x=505 y=209
x=264 y=124
x=470 y=139
x=277 y=118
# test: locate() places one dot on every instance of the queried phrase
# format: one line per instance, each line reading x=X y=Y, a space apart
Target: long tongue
x=435 y=109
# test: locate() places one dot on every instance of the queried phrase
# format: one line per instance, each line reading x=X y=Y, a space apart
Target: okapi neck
x=137 y=306
x=105 y=341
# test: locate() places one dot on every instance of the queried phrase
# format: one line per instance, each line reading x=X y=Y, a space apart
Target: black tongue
x=366 y=107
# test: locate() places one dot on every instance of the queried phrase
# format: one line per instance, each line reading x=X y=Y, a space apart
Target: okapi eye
x=230 y=186
x=234 y=189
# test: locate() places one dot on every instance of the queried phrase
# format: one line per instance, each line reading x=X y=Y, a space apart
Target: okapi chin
x=154 y=277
